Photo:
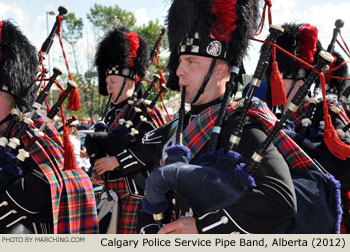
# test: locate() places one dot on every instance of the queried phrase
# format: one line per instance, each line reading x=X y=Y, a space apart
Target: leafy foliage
x=104 y=18
x=72 y=28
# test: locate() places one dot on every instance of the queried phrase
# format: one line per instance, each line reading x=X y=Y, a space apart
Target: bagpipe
x=11 y=158
x=336 y=106
x=130 y=118
x=133 y=109
x=309 y=130
x=157 y=184
x=127 y=124
x=220 y=178
x=67 y=187
x=45 y=48
x=16 y=114
x=313 y=102
x=308 y=120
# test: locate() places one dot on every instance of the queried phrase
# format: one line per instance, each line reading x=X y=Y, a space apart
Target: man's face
x=114 y=85
x=7 y=103
x=191 y=71
x=288 y=83
x=71 y=128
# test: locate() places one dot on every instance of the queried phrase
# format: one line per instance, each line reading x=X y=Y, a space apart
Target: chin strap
x=121 y=90
x=205 y=81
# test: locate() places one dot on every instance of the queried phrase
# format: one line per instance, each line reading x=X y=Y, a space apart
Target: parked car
x=82 y=135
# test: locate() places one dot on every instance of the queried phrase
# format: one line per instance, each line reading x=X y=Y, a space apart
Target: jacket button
x=224 y=219
x=4 y=203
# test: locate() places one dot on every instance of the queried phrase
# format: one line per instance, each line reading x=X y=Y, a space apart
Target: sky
x=31 y=16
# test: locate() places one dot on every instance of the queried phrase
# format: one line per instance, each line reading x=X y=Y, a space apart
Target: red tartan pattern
x=76 y=205
x=156 y=115
x=198 y=132
x=294 y=155
x=298 y=116
x=342 y=114
x=79 y=203
x=73 y=201
x=129 y=205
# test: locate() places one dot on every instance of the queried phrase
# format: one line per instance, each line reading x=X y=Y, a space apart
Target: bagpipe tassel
x=334 y=144
x=69 y=158
x=277 y=88
x=74 y=100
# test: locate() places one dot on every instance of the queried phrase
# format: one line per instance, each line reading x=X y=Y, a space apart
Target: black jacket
x=102 y=143
x=270 y=204
x=25 y=205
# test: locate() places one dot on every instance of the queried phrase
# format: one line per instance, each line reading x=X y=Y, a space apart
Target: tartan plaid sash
x=298 y=116
x=120 y=115
x=73 y=201
x=198 y=132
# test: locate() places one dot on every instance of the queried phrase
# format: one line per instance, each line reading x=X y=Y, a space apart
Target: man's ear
x=221 y=71
x=130 y=83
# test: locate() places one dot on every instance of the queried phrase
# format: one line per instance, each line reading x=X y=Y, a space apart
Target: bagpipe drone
x=24 y=115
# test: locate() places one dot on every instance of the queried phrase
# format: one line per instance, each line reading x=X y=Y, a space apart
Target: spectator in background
x=72 y=124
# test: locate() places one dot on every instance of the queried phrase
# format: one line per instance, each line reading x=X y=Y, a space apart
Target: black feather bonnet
x=18 y=66
x=212 y=28
x=120 y=52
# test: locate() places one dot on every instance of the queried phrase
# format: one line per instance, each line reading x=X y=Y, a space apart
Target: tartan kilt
x=128 y=207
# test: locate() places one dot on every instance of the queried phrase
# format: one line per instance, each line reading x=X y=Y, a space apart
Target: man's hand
x=106 y=164
x=185 y=225
x=83 y=153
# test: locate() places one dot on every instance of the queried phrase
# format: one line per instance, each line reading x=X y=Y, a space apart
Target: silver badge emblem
x=214 y=48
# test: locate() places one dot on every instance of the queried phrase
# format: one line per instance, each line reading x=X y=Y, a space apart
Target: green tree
x=151 y=32
x=103 y=18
